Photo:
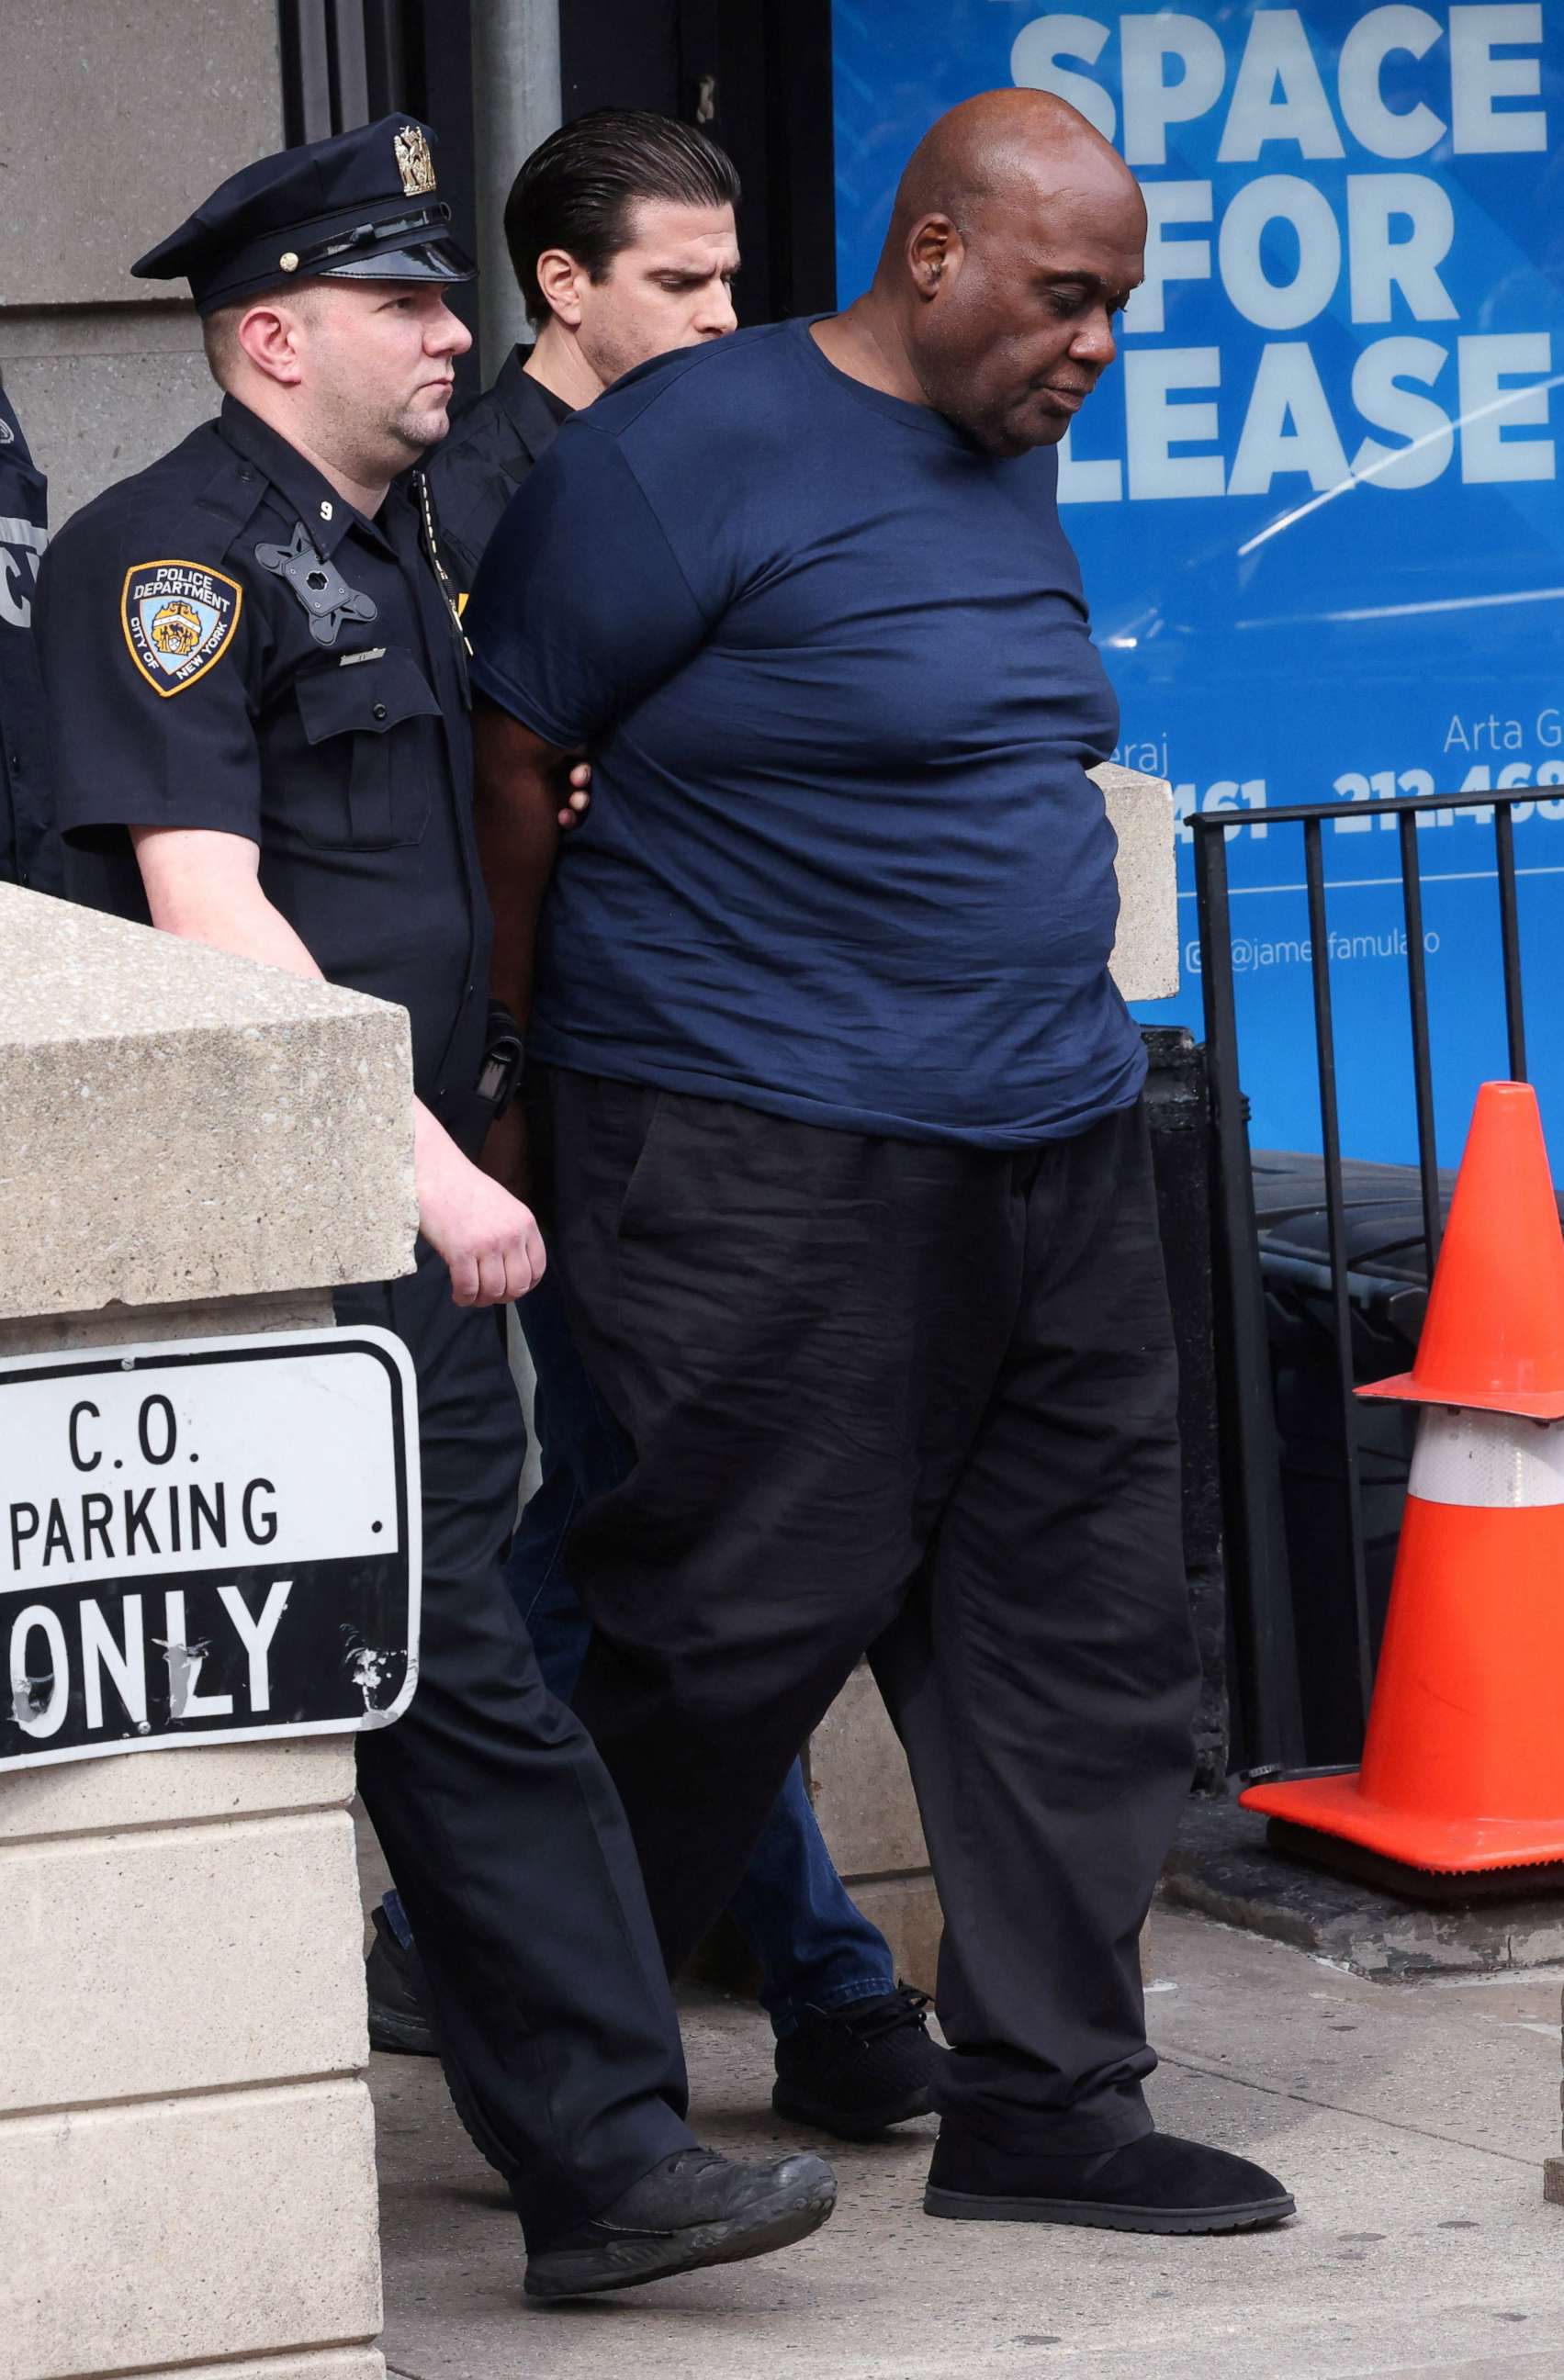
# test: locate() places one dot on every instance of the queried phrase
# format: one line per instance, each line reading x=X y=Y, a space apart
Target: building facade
x=116 y=122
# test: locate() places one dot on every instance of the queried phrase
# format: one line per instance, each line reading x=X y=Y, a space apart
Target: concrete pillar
x=516 y=104
x=1140 y=808
x=195 y=1146
x=857 y=1774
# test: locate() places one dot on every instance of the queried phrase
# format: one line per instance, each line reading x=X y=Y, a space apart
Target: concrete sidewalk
x=1412 y=2122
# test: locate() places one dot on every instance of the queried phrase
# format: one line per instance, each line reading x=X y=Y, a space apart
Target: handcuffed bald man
x=851 y=1178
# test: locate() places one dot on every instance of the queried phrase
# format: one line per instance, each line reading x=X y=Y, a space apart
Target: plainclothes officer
x=855 y=1212
x=621 y=227
x=29 y=848
x=258 y=691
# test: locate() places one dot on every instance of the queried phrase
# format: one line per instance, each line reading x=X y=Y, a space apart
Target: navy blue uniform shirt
x=843 y=861
x=475 y=470
x=189 y=686
x=29 y=846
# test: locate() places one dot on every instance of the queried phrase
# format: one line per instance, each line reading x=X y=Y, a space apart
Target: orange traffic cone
x=1463 y=1763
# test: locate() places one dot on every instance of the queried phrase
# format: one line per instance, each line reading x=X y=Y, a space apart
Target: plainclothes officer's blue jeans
x=815 y=1948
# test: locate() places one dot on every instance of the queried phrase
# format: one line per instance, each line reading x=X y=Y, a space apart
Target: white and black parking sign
x=206 y=1542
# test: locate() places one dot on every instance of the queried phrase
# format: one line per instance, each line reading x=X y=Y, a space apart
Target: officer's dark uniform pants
x=505 y=1838
x=918 y=1399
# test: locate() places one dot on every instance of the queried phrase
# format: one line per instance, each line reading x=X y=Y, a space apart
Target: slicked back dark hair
x=576 y=191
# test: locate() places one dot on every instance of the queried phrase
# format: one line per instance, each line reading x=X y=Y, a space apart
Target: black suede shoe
x=1159 y=2183
x=395 y=1978
x=854 y=2071
x=695 y=2208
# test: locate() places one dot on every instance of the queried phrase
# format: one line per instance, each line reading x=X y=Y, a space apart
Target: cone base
x=1335 y=1805
x=1429 y=1887
x=1407 y=1387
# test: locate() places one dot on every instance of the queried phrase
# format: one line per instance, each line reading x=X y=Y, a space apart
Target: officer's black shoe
x=695 y=2208
x=395 y=1978
x=1156 y=2184
x=854 y=2071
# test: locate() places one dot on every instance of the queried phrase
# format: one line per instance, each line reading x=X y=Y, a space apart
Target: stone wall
x=114 y=122
x=195 y=1146
x=180 y=1124
x=186 y=2149
x=863 y=1800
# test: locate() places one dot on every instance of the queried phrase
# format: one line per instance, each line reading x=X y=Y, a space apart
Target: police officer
x=29 y=848
x=257 y=689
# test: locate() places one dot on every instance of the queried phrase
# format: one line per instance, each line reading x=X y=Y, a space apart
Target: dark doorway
x=347 y=62
x=756 y=74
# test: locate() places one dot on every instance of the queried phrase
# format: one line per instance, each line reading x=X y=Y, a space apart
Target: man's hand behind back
x=578 y=799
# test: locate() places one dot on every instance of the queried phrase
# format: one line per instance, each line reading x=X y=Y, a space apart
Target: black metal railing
x=1265 y=1615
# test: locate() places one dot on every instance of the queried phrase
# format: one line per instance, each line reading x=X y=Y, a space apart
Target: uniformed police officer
x=258 y=693
x=29 y=846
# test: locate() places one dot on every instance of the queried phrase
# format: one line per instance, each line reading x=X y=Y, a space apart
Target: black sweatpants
x=504 y=1834
x=917 y=1400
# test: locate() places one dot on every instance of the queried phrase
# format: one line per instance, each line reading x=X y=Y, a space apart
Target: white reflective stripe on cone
x=1486 y=1458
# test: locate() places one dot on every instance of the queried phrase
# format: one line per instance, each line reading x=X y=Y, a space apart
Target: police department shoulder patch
x=179 y=619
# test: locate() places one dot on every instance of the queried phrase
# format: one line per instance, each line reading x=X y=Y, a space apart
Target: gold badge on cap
x=414 y=162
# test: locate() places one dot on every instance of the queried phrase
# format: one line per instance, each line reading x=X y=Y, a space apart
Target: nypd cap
x=359 y=207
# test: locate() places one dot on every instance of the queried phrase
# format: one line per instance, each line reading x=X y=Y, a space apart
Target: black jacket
x=475 y=470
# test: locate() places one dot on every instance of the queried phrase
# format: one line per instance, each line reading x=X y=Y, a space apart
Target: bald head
x=1017 y=233
x=996 y=145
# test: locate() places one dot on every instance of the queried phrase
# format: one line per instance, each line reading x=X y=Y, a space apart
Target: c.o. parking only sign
x=206 y=1542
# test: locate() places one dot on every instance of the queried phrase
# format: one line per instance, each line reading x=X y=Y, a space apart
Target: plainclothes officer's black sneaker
x=395 y=1979
x=853 y=2072
x=695 y=2208
x=1159 y=2183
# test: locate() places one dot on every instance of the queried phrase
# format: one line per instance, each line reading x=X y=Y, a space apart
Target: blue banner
x=1317 y=501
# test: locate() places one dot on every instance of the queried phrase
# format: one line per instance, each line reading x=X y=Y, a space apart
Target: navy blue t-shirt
x=832 y=661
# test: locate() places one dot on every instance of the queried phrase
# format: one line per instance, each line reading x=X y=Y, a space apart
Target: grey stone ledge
x=184 y=1785
x=1140 y=808
x=177 y=1125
